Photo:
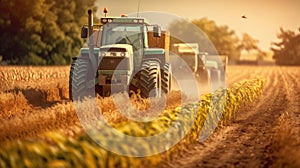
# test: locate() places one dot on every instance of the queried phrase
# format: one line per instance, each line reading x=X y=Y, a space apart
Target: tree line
x=41 y=32
x=226 y=42
x=47 y=32
x=287 y=50
x=213 y=38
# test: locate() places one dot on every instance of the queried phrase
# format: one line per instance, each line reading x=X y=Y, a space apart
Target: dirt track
x=245 y=141
x=242 y=143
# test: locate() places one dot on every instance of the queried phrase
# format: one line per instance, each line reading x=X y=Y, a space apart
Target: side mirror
x=84 y=32
x=156 y=31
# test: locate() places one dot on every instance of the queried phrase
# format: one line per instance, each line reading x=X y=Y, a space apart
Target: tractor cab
x=124 y=32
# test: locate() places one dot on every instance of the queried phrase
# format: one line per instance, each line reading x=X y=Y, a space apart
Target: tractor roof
x=134 y=20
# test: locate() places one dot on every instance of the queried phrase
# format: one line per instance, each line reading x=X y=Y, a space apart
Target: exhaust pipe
x=90 y=22
x=92 y=57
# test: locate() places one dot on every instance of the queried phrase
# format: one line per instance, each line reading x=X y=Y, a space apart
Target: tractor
x=216 y=66
x=189 y=52
x=208 y=69
x=119 y=57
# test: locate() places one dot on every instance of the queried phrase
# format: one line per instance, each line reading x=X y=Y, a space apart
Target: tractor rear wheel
x=150 y=79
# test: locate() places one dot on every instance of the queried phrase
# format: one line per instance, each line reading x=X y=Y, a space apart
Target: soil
x=244 y=142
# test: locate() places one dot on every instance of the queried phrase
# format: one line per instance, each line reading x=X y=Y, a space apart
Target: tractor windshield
x=120 y=33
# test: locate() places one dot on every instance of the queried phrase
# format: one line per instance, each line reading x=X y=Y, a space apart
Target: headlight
x=122 y=54
x=103 y=54
x=112 y=54
x=104 y=20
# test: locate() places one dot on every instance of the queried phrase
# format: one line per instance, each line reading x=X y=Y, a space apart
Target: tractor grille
x=113 y=49
x=114 y=63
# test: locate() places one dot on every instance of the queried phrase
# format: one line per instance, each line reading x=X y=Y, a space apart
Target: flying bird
x=244 y=17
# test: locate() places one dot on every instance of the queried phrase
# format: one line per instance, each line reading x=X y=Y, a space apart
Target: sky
x=264 y=17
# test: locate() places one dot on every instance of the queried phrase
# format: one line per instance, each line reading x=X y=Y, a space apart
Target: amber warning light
x=123 y=15
x=105 y=11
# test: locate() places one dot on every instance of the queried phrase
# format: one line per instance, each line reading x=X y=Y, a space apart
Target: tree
x=261 y=55
x=248 y=43
x=211 y=38
x=183 y=31
x=224 y=39
x=13 y=31
x=42 y=31
x=287 y=51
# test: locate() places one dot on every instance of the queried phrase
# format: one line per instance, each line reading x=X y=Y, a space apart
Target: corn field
x=40 y=128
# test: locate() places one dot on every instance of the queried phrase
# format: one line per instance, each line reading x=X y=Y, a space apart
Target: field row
x=264 y=133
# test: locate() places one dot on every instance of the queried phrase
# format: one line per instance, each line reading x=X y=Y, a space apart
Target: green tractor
x=189 y=52
x=118 y=59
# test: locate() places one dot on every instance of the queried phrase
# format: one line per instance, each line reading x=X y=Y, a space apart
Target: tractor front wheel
x=81 y=82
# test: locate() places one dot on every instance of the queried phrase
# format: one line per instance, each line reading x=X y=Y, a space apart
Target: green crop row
x=193 y=122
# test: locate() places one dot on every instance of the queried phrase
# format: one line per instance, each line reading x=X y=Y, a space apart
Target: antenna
x=138 y=11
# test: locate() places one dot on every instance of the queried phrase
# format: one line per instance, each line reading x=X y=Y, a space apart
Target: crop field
x=260 y=124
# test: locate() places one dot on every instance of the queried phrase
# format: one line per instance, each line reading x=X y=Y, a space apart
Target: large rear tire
x=81 y=83
x=150 y=79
